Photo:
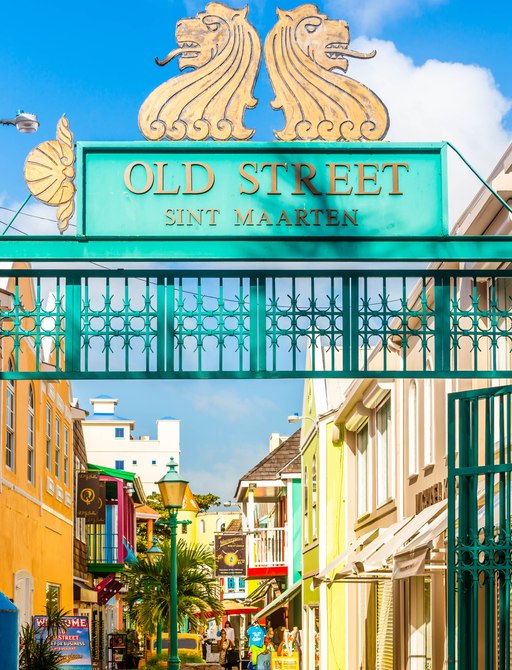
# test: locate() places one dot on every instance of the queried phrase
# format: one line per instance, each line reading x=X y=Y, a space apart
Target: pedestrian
x=230 y=631
x=224 y=646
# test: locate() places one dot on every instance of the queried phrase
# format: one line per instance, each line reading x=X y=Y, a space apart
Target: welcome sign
x=260 y=191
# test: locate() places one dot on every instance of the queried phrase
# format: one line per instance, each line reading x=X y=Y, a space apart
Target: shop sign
x=90 y=498
x=255 y=191
x=230 y=555
x=73 y=642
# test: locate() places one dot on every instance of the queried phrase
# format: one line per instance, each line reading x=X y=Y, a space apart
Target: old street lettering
x=301 y=191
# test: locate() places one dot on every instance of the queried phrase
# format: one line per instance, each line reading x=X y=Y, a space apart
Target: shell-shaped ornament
x=49 y=173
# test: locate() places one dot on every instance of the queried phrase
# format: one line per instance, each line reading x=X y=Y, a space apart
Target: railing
x=102 y=548
x=268 y=547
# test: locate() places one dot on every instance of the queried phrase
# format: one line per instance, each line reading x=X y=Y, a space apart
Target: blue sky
x=442 y=68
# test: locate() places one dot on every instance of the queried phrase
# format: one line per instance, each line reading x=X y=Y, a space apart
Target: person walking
x=230 y=631
x=225 y=646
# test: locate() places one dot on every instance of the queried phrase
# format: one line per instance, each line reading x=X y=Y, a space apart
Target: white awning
x=281 y=600
x=398 y=538
x=323 y=575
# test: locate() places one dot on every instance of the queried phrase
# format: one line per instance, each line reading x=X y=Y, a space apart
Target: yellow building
x=36 y=474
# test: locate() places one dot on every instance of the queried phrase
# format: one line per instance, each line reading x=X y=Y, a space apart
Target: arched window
x=412 y=428
x=30 y=436
x=202 y=526
x=10 y=419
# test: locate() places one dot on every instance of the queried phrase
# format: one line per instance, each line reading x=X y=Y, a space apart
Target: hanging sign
x=90 y=498
x=228 y=191
x=230 y=558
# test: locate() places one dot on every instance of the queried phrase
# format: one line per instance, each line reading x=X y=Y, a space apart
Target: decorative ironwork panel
x=332 y=323
x=479 y=532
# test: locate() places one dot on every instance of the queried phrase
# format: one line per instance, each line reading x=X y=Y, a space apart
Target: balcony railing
x=267 y=547
x=102 y=548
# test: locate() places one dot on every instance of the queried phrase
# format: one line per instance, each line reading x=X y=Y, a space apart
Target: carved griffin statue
x=224 y=51
x=302 y=52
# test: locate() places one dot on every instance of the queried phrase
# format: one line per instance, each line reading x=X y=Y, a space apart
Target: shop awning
x=336 y=562
x=375 y=558
x=84 y=593
x=281 y=600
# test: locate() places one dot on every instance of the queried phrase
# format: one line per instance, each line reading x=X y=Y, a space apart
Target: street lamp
x=172 y=489
x=154 y=553
x=24 y=122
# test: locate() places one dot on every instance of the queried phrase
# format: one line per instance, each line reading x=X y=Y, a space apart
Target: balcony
x=267 y=552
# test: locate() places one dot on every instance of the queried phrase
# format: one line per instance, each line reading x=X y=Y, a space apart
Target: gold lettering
x=283 y=219
x=304 y=179
x=394 y=172
x=198 y=218
x=241 y=221
x=333 y=178
x=250 y=178
x=317 y=213
x=273 y=167
x=169 y=213
x=150 y=178
x=264 y=218
x=160 y=188
x=347 y=217
x=332 y=217
x=189 y=189
x=362 y=178
x=212 y=213
x=301 y=219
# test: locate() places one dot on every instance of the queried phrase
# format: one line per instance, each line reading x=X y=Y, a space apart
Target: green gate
x=479 y=532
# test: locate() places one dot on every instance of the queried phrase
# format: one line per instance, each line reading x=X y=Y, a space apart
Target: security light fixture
x=294 y=418
x=25 y=123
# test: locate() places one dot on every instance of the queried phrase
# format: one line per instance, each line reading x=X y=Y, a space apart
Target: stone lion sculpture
x=224 y=51
x=301 y=52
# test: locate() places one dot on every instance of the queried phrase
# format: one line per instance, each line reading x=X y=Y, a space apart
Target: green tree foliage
x=148 y=584
x=206 y=500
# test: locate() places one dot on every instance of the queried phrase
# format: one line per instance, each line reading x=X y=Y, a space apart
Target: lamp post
x=153 y=553
x=172 y=489
x=23 y=121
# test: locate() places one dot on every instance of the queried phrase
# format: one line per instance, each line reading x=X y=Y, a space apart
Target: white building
x=109 y=443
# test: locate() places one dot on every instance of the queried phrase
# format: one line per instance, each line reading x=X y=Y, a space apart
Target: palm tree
x=148 y=587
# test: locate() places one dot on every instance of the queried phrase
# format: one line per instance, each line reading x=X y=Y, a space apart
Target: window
x=10 y=420
x=48 y=437
x=119 y=465
x=53 y=596
x=30 y=436
x=231 y=583
x=119 y=432
x=134 y=462
x=241 y=584
x=313 y=498
x=184 y=528
x=66 y=455
x=384 y=462
x=153 y=462
x=79 y=523
x=363 y=473
x=306 y=506
x=202 y=526
x=428 y=433
x=412 y=428
x=57 y=445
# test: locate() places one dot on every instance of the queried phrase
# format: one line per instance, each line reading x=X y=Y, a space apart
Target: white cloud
x=370 y=16
x=439 y=101
x=35 y=218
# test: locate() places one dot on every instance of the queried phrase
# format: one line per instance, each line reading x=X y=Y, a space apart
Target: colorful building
x=36 y=470
x=110 y=442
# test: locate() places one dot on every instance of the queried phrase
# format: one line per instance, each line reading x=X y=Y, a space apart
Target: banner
x=73 y=643
x=90 y=498
x=230 y=559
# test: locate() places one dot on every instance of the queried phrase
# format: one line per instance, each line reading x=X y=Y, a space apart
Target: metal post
x=174 y=662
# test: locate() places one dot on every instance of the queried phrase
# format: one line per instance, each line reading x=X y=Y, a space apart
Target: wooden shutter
x=385 y=625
